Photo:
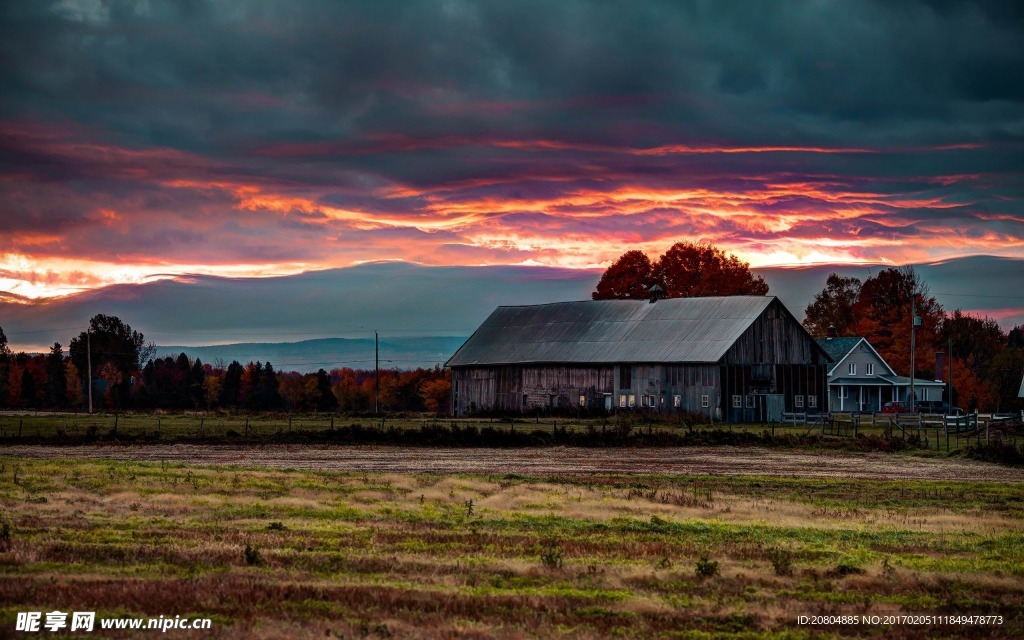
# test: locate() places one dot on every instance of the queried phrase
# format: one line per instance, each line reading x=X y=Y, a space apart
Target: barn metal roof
x=610 y=331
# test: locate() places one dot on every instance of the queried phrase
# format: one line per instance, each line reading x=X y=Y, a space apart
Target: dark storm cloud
x=319 y=134
x=217 y=75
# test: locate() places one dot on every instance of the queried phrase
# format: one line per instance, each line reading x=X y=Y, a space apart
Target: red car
x=896 y=406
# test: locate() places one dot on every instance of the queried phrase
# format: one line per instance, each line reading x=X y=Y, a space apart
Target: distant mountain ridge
x=413 y=300
x=327 y=353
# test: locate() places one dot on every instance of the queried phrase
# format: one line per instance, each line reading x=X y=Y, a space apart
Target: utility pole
x=913 y=345
x=88 y=357
x=376 y=368
x=949 y=376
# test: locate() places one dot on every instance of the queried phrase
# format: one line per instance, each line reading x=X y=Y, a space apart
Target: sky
x=151 y=140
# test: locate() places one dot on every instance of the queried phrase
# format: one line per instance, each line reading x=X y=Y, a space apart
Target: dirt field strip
x=555 y=460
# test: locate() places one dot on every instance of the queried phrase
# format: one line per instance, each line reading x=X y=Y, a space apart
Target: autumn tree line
x=987 y=362
x=127 y=376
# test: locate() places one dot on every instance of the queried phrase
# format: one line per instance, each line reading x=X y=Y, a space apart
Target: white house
x=861 y=380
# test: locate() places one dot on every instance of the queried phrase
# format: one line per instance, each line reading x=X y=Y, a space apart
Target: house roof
x=837 y=348
x=882 y=381
x=904 y=381
x=611 y=331
x=865 y=381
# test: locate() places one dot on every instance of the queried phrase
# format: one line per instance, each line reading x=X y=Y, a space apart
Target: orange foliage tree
x=882 y=315
x=686 y=270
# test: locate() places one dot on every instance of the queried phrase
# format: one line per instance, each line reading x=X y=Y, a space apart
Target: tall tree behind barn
x=739 y=358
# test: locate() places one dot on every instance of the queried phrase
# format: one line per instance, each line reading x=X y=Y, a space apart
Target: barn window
x=526 y=400
x=750 y=402
x=737 y=402
x=853 y=368
x=812 y=402
x=677 y=401
x=622 y=400
x=705 y=401
x=799 y=400
x=648 y=401
x=632 y=400
x=583 y=400
x=869 y=369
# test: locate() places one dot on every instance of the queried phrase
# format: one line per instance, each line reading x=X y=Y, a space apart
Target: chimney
x=656 y=292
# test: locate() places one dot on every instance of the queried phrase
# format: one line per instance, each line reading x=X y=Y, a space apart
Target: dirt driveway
x=554 y=460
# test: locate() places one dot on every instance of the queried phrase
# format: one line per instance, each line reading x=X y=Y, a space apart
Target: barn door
x=774 y=406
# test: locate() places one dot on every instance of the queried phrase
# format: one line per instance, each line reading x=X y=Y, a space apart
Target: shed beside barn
x=737 y=358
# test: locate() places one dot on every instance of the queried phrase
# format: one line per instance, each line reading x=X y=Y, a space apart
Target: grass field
x=76 y=428
x=287 y=553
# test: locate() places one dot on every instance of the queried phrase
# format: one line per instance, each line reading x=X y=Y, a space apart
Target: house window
x=526 y=400
x=647 y=401
x=632 y=400
x=853 y=368
x=622 y=400
x=869 y=369
x=704 y=402
x=750 y=402
x=812 y=402
x=583 y=400
x=737 y=402
x=798 y=401
x=677 y=401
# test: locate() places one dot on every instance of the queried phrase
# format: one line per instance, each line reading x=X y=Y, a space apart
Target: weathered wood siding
x=522 y=388
x=525 y=388
x=775 y=356
x=775 y=337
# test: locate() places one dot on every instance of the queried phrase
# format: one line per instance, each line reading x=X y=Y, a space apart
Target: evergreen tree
x=231 y=387
x=56 y=378
x=198 y=378
x=270 y=391
x=28 y=389
x=326 y=400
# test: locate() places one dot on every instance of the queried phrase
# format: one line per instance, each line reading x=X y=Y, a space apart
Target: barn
x=736 y=358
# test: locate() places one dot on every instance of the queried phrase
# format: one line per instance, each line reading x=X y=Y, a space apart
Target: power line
x=979 y=295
